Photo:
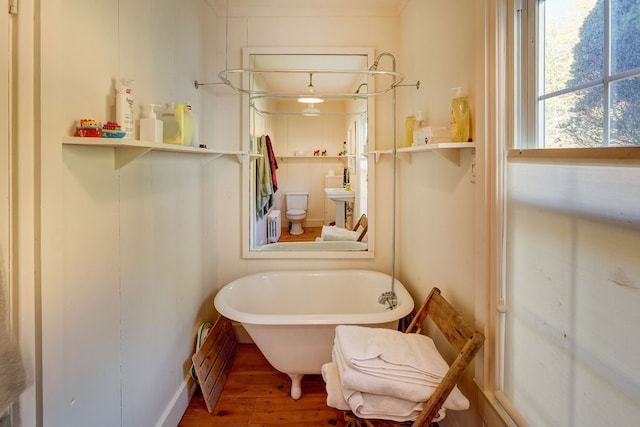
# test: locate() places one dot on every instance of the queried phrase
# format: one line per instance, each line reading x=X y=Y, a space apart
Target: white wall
x=301 y=133
x=436 y=198
x=126 y=273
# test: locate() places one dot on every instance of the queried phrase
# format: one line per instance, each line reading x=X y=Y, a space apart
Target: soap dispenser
x=150 y=125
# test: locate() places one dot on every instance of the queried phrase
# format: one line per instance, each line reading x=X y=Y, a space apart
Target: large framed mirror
x=309 y=179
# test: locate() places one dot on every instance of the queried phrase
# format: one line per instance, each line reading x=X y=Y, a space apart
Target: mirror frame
x=247 y=251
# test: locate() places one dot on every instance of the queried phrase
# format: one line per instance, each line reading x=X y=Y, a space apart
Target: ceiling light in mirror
x=310 y=99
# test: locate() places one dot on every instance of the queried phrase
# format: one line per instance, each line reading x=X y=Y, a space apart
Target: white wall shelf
x=448 y=150
x=127 y=150
x=315 y=157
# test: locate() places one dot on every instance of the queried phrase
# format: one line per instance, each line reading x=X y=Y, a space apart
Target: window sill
x=584 y=154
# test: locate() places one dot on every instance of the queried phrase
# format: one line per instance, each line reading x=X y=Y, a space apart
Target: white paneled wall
x=436 y=208
x=126 y=276
x=292 y=134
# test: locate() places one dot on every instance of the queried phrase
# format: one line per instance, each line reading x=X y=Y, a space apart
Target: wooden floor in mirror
x=310 y=234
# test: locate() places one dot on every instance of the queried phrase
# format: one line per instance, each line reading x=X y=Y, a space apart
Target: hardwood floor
x=309 y=235
x=256 y=395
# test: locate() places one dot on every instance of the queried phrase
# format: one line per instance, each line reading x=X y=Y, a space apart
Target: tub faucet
x=388 y=298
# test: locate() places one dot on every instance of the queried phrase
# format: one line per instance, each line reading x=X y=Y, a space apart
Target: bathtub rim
x=336 y=245
x=405 y=307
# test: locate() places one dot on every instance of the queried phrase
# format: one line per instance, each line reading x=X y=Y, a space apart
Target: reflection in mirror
x=308 y=181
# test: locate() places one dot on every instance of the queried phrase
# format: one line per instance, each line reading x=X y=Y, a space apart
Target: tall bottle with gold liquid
x=460 y=116
x=408 y=131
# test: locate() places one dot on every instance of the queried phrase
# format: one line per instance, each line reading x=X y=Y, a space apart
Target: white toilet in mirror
x=296 y=210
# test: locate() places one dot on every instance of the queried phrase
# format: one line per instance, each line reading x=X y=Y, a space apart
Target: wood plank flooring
x=256 y=395
x=309 y=235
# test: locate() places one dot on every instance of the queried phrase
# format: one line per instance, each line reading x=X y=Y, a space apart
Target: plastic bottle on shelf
x=124 y=108
x=150 y=125
x=409 y=125
x=418 y=134
x=460 y=116
x=185 y=122
x=170 y=126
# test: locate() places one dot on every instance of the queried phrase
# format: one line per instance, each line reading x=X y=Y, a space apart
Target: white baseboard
x=177 y=406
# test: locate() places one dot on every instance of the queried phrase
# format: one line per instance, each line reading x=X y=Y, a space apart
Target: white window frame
x=528 y=120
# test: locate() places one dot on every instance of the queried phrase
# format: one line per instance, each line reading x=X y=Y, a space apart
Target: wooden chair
x=462 y=337
x=364 y=222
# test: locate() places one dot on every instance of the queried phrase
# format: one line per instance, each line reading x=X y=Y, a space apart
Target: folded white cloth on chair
x=335 y=397
x=369 y=405
x=398 y=379
x=332 y=233
x=366 y=405
x=389 y=353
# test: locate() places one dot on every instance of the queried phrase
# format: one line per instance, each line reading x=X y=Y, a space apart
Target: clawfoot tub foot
x=296 y=389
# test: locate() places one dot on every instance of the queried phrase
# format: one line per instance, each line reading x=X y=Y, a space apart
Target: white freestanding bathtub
x=292 y=315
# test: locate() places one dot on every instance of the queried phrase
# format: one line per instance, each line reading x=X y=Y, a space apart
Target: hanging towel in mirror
x=264 y=184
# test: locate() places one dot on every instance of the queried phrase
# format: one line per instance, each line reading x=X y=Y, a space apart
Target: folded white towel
x=332 y=233
x=367 y=405
x=416 y=390
x=335 y=397
x=391 y=354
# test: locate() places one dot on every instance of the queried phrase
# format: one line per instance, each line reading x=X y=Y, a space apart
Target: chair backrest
x=463 y=338
x=364 y=223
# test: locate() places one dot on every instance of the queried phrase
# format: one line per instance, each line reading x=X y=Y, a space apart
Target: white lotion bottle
x=124 y=108
x=150 y=125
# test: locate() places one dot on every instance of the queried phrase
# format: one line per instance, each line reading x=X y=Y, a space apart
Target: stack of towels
x=385 y=374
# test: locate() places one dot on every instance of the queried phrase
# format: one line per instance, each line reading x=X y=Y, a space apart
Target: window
x=576 y=86
x=586 y=79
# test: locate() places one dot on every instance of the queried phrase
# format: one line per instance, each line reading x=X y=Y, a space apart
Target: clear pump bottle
x=150 y=125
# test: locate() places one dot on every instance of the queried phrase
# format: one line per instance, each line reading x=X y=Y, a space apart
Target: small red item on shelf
x=89 y=128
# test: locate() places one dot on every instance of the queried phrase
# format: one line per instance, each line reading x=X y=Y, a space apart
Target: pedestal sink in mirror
x=340 y=196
